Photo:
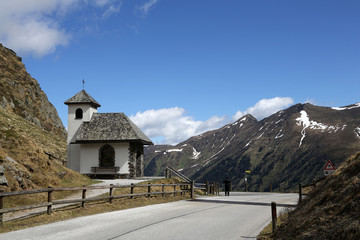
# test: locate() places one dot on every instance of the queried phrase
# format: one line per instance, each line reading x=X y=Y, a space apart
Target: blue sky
x=179 y=68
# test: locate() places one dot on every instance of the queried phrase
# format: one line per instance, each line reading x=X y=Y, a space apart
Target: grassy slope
x=331 y=211
x=25 y=143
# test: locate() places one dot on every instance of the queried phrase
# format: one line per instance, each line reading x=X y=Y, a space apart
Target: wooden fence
x=178 y=188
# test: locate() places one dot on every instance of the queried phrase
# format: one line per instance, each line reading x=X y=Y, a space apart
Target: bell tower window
x=79 y=113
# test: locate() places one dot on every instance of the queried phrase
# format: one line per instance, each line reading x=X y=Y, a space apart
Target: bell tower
x=80 y=109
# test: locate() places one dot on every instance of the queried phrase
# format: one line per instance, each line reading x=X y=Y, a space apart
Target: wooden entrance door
x=106 y=156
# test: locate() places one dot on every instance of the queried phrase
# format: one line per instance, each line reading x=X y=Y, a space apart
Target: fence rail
x=178 y=189
x=170 y=169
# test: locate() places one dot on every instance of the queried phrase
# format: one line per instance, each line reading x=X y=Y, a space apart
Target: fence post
x=132 y=190
x=246 y=186
x=1 y=207
x=270 y=187
x=83 y=197
x=149 y=189
x=207 y=187
x=300 y=193
x=163 y=190
x=49 y=207
x=174 y=190
x=111 y=193
x=192 y=192
x=273 y=216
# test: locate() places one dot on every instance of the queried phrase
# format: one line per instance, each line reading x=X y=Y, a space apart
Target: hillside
x=288 y=147
x=29 y=128
x=331 y=211
x=21 y=94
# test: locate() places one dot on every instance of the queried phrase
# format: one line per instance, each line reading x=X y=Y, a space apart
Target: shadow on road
x=243 y=203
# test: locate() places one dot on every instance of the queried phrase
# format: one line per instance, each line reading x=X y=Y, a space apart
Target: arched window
x=106 y=156
x=79 y=113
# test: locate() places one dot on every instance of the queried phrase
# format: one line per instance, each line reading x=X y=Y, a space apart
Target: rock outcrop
x=21 y=94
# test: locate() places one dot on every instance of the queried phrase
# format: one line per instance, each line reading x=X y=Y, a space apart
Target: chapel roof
x=110 y=127
x=82 y=97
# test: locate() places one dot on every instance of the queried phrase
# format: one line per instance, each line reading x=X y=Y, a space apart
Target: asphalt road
x=240 y=216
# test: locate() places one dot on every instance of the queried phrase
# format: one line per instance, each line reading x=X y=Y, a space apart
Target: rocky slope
x=289 y=147
x=29 y=129
x=21 y=94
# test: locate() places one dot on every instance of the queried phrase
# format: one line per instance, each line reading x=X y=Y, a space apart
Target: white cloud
x=34 y=27
x=145 y=8
x=102 y=3
x=112 y=9
x=266 y=107
x=26 y=26
x=172 y=126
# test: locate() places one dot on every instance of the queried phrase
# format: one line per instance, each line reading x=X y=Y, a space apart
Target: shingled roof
x=110 y=127
x=82 y=97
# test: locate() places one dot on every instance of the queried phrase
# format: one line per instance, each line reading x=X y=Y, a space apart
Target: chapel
x=103 y=144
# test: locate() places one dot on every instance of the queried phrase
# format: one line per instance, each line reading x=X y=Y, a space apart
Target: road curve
x=240 y=216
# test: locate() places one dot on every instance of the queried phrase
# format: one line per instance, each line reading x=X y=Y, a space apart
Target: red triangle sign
x=329 y=166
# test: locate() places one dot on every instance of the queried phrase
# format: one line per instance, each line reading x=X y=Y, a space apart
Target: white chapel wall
x=89 y=156
x=73 y=155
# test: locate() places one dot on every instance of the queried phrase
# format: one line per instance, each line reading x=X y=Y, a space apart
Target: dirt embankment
x=331 y=210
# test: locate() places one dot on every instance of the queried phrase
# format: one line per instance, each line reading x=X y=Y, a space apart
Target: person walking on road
x=227 y=183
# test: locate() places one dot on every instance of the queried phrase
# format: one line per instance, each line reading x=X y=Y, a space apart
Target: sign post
x=329 y=168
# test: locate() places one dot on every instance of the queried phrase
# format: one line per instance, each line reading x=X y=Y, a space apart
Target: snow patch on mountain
x=196 y=154
x=356 y=105
x=260 y=135
x=279 y=135
x=304 y=121
x=174 y=150
x=281 y=120
x=357 y=131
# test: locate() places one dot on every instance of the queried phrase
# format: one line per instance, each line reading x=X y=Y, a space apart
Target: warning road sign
x=329 y=168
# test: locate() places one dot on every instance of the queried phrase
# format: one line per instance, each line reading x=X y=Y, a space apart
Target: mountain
x=30 y=130
x=284 y=149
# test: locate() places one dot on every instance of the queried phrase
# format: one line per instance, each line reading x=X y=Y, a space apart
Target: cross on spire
x=83 y=82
